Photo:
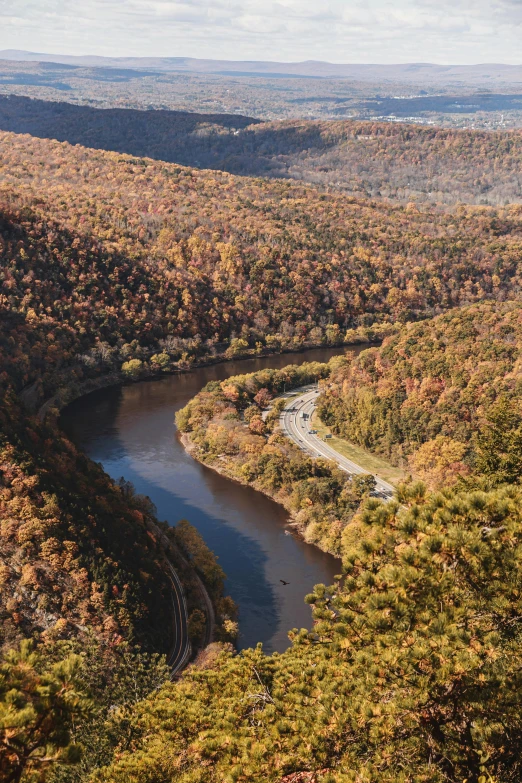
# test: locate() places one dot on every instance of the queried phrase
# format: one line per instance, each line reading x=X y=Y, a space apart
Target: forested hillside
x=165 y=135
x=83 y=562
x=114 y=265
x=76 y=552
x=410 y=673
x=368 y=159
x=71 y=560
x=433 y=394
x=266 y=262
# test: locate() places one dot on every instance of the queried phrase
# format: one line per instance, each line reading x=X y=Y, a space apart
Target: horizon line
x=274 y=62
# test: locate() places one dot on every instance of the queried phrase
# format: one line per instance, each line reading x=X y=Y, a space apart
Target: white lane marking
x=297 y=429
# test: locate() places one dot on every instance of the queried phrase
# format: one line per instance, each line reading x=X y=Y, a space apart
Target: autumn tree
x=410 y=673
x=439 y=462
x=498 y=445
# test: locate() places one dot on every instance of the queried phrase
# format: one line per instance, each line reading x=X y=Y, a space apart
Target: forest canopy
x=411 y=672
x=430 y=394
x=269 y=262
x=362 y=158
x=115 y=266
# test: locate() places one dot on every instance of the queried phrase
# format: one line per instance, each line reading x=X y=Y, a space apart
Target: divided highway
x=295 y=426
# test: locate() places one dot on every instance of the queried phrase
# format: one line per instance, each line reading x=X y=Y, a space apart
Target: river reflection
x=131 y=431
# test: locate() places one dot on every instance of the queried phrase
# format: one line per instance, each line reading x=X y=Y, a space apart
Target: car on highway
x=312 y=432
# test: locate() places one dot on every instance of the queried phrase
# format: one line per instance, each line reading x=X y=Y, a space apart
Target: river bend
x=131 y=431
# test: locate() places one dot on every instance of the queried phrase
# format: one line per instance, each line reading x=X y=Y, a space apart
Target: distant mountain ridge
x=368 y=159
x=417 y=73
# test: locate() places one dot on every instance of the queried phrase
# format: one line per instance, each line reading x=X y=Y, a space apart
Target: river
x=130 y=430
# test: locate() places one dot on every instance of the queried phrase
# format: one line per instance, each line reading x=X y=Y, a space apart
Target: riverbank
x=225 y=428
x=194 y=593
x=222 y=470
x=66 y=394
x=129 y=429
x=174 y=557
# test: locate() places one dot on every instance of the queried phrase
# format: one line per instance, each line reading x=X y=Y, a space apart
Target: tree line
x=410 y=670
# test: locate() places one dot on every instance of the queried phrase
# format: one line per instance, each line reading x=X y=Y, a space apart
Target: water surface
x=131 y=431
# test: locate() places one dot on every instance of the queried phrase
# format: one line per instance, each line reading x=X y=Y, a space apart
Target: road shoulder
x=371 y=462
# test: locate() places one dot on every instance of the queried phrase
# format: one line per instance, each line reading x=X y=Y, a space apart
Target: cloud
x=457 y=31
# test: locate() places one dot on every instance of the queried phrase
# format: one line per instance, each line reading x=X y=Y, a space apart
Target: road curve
x=298 y=428
x=181 y=648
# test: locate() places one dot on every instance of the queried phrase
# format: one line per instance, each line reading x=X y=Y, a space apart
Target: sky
x=342 y=31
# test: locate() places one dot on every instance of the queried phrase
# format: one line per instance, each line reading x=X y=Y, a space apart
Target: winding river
x=131 y=431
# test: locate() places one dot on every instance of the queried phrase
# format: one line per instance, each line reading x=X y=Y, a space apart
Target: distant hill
x=417 y=73
x=404 y=162
x=173 y=136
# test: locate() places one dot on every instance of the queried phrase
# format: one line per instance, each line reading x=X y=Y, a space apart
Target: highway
x=297 y=428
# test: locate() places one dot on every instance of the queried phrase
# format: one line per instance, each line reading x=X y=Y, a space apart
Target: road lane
x=297 y=428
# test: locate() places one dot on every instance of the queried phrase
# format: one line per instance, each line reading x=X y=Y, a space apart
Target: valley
x=391 y=162
x=196 y=585
x=131 y=432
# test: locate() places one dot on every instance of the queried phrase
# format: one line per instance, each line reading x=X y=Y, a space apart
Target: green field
x=370 y=462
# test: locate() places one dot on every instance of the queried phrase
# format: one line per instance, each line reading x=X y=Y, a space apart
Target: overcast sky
x=371 y=31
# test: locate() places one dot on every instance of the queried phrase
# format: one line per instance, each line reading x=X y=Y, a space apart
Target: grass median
x=370 y=462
